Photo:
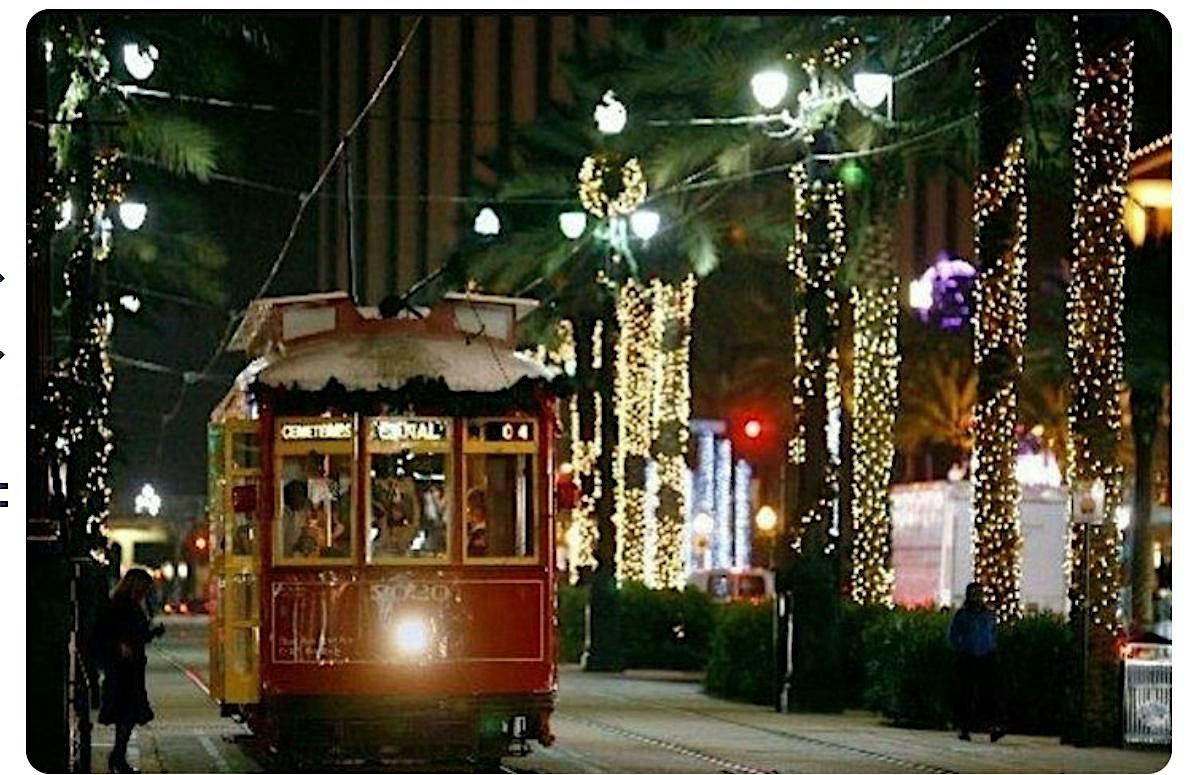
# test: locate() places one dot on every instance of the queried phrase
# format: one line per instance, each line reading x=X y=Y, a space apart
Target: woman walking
x=123 y=633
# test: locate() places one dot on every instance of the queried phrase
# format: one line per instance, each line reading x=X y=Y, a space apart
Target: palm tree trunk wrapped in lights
x=637 y=353
x=1004 y=67
x=1095 y=346
x=876 y=305
x=582 y=423
x=672 y=307
x=814 y=259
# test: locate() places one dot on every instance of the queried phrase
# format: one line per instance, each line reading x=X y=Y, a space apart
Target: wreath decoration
x=601 y=199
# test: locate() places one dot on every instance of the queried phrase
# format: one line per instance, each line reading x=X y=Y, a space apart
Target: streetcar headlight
x=413 y=636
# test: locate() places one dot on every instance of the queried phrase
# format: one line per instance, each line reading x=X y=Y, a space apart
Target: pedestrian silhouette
x=122 y=633
x=972 y=635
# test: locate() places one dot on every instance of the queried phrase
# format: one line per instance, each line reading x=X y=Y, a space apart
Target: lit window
x=409 y=492
x=499 y=489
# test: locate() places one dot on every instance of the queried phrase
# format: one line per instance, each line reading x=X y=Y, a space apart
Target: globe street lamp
x=572 y=224
x=645 y=224
x=873 y=89
x=611 y=116
x=133 y=214
x=487 y=223
x=148 y=501
x=769 y=87
x=140 y=62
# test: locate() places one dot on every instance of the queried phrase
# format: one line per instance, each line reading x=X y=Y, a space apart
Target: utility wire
x=303 y=202
x=915 y=69
x=220 y=102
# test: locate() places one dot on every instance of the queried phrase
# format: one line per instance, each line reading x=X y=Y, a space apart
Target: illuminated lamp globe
x=572 y=224
x=140 y=61
x=872 y=89
x=704 y=524
x=766 y=519
x=752 y=429
x=487 y=223
x=611 y=116
x=769 y=87
x=645 y=224
x=132 y=214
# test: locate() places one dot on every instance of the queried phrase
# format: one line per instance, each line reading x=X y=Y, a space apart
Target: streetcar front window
x=409 y=504
x=315 y=491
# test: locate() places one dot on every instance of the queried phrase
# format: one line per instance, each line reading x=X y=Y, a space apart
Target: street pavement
x=640 y=721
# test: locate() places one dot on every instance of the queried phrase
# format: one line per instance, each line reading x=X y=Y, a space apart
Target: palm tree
x=937 y=408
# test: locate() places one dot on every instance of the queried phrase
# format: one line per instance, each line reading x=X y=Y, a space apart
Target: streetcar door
x=235 y=477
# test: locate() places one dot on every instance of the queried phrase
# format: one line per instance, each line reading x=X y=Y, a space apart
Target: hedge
x=896 y=662
x=741 y=661
x=659 y=629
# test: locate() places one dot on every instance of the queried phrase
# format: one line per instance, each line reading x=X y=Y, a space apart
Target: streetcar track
x=668 y=745
x=882 y=757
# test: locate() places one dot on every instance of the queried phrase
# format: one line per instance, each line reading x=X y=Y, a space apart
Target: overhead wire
x=303 y=202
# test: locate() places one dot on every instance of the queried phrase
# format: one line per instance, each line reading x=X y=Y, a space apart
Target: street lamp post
x=616 y=215
x=766 y=523
x=805 y=478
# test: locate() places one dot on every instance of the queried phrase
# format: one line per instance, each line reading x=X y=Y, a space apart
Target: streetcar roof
x=380 y=361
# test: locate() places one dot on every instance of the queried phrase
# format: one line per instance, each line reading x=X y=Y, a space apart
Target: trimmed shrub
x=659 y=629
x=855 y=619
x=1035 y=664
x=572 y=605
x=664 y=628
x=909 y=668
x=740 y=666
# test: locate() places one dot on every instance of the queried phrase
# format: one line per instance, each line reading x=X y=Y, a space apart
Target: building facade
x=465 y=83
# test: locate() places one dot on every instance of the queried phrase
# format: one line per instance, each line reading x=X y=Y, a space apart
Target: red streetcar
x=381 y=530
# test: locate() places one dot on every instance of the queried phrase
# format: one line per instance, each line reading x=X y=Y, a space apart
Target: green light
x=853 y=174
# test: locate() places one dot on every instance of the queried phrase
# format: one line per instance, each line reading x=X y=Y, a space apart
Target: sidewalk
x=850 y=742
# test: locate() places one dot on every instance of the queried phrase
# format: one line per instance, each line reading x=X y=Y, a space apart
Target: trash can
x=1148 y=694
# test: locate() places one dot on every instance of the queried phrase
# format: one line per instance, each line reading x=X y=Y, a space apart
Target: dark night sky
x=279 y=149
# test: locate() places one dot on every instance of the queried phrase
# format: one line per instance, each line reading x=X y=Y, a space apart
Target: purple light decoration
x=942 y=294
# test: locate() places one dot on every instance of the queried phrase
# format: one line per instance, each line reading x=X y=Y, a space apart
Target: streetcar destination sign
x=404 y=429
x=305 y=431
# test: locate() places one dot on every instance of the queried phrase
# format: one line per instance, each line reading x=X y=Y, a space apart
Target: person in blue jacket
x=972 y=635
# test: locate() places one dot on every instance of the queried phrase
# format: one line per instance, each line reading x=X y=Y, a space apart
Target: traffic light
x=754 y=434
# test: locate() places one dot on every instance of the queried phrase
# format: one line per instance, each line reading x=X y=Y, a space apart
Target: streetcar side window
x=242 y=526
x=500 y=505
x=315 y=513
x=409 y=504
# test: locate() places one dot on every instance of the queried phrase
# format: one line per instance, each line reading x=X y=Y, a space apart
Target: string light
x=602 y=200
x=815 y=255
x=672 y=308
x=636 y=354
x=583 y=532
x=1001 y=223
x=1095 y=340
x=876 y=366
x=742 y=507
